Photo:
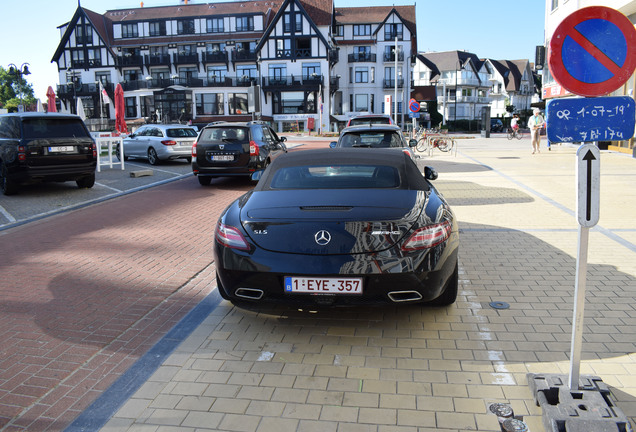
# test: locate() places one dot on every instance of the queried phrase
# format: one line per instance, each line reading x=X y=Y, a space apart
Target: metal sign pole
x=579 y=307
x=587 y=212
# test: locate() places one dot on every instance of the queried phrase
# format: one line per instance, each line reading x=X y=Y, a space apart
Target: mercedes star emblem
x=322 y=237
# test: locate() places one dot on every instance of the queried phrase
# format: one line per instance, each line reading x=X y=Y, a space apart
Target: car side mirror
x=430 y=173
x=412 y=143
x=131 y=136
x=283 y=138
x=256 y=175
x=332 y=144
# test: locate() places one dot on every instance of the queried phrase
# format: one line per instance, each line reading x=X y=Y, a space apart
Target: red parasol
x=51 y=101
x=120 y=123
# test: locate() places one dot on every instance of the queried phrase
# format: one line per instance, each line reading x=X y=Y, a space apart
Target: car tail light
x=22 y=153
x=168 y=142
x=427 y=237
x=407 y=152
x=94 y=148
x=255 y=150
x=194 y=149
x=230 y=237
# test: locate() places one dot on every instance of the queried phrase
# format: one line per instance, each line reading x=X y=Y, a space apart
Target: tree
x=12 y=88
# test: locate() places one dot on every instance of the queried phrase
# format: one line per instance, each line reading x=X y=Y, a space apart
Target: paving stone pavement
x=409 y=368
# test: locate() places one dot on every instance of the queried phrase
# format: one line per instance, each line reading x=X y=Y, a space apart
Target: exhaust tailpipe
x=249 y=293
x=404 y=296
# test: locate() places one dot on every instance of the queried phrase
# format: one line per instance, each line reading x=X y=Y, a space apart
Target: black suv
x=234 y=149
x=45 y=147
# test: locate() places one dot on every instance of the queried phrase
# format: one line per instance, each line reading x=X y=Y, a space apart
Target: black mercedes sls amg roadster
x=339 y=227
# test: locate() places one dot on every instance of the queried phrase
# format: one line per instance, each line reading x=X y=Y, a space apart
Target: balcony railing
x=130 y=60
x=158 y=59
x=390 y=56
x=70 y=90
x=299 y=82
x=183 y=58
x=390 y=83
x=362 y=57
x=334 y=83
x=241 y=55
x=214 y=57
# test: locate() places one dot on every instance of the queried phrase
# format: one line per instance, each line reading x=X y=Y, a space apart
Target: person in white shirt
x=535 y=123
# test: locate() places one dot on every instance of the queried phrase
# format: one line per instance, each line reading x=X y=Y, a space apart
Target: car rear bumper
x=30 y=174
x=260 y=279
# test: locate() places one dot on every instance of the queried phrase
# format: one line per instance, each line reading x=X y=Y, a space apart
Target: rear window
x=336 y=177
x=37 y=128
x=369 y=120
x=373 y=139
x=225 y=134
x=181 y=133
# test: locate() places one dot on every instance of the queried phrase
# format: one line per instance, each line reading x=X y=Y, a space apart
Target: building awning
x=424 y=93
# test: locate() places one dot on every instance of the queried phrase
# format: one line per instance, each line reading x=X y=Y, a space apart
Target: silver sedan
x=157 y=142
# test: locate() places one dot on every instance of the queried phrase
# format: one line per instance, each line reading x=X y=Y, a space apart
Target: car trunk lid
x=328 y=222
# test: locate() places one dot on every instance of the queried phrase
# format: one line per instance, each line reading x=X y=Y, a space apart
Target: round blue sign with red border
x=414 y=105
x=593 y=51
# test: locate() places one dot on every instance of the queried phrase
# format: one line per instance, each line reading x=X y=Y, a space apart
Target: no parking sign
x=592 y=51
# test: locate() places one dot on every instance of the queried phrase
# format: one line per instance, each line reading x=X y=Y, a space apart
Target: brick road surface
x=86 y=293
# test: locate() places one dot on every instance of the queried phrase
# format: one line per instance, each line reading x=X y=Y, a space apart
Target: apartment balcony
x=214 y=57
x=218 y=82
x=292 y=82
x=183 y=58
x=242 y=55
x=161 y=83
x=68 y=91
x=334 y=83
x=390 y=56
x=362 y=57
x=390 y=83
x=334 y=56
x=158 y=60
x=132 y=60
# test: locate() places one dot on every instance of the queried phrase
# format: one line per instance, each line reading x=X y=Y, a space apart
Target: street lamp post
x=19 y=72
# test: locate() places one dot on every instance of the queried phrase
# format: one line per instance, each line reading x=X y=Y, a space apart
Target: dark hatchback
x=37 y=147
x=234 y=149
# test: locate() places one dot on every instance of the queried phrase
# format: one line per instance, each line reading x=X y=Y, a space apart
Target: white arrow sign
x=588 y=175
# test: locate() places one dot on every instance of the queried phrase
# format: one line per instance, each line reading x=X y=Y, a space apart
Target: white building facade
x=198 y=61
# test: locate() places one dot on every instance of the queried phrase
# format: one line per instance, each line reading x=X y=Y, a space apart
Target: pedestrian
x=535 y=123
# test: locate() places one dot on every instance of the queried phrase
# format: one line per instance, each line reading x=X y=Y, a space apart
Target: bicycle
x=514 y=133
x=421 y=137
x=443 y=144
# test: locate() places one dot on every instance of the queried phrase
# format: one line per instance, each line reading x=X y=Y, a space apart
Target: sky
x=497 y=29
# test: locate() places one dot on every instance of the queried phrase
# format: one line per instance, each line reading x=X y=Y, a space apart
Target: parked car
x=374 y=136
x=234 y=149
x=370 y=119
x=496 y=125
x=339 y=227
x=159 y=142
x=38 y=147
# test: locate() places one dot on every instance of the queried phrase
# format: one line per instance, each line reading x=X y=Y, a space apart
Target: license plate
x=61 y=149
x=319 y=285
x=222 y=157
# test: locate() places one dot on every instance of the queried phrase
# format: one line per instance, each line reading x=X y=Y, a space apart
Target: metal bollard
x=506 y=417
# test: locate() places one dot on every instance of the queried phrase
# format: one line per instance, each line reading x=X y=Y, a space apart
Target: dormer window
x=362 y=30
x=214 y=25
x=129 y=30
x=157 y=28
x=245 y=23
x=185 y=26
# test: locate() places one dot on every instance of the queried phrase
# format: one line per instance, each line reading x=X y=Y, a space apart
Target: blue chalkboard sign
x=609 y=118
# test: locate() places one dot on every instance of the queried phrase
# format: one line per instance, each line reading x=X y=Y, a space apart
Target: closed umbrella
x=50 y=94
x=120 y=123
x=80 y=109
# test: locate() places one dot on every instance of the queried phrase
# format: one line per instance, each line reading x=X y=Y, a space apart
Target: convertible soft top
x=410 y=177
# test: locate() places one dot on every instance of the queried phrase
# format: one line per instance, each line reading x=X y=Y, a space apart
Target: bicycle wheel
x=510 y=134
x=519 y=135
x=445 y=145
x=421 y=145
